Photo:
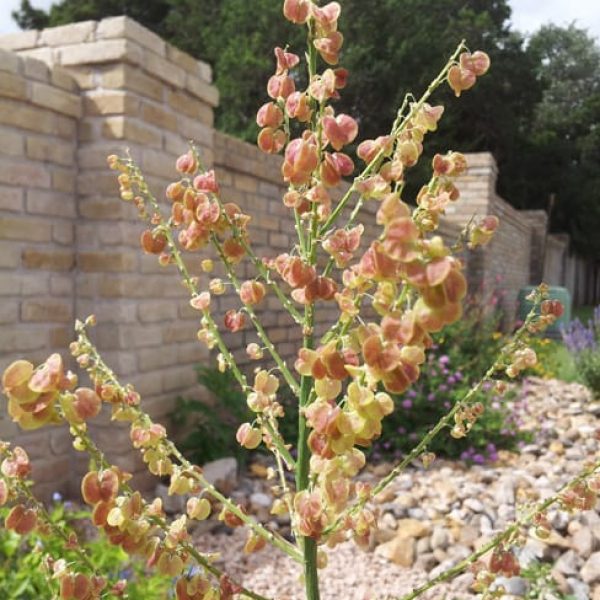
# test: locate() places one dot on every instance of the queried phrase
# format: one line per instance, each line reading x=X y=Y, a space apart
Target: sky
x=527 y=16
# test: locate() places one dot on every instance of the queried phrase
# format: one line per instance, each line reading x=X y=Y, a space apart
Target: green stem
x=397 y=128
x=262 y=334
x=309 y=545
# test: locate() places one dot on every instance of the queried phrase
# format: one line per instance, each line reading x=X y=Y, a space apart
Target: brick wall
x=71 y=95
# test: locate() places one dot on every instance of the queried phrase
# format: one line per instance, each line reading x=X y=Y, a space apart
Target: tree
x=565 y=137
x=150 y=13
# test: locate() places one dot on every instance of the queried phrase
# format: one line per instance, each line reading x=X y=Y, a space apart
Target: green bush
x=213 y=426
x=23 y=575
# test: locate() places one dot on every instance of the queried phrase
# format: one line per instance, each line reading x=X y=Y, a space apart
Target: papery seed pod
x=231 y=519
x=21 y=520
x=254 y=543
x=201 y=301
x=153 y=243
x=254 y=351
x=296 y=11
x=198 y=508
x=248 y=437
x=187 y=163
x=234 y=320
x=207 y=265
x=252 y=292
x=552 y=307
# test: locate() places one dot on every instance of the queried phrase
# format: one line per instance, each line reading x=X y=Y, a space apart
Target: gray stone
x=568 y=563
x=423 y=545
x=440 y=538
x=505 y=491
x=222 y=473
x=260 y=500
x=583 y=542
x=173 y=504
x=516 y=586
x=474 y=505
x=590 y=572
x=580 y=590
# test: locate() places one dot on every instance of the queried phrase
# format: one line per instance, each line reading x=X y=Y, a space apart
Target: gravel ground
x=460 y=508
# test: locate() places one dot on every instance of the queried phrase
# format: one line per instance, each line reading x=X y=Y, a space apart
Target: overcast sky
x=528 y=15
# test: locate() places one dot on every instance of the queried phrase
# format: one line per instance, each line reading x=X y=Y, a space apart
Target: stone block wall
x=39 y=113
x=69 y=247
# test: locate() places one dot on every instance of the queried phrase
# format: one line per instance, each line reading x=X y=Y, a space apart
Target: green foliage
x=541 y=583
x=24 y=577
x=588 y=367
x=213 y=426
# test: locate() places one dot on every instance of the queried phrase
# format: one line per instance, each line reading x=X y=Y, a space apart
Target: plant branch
x=503 y=536
x=397 y=128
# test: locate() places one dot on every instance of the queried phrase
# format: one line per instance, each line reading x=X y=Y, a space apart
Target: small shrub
x=439 y=389
x=213 y=426
x=23 y=571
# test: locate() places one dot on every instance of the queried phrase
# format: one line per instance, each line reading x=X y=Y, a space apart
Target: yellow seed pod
x=207 y=265
x=198 y=508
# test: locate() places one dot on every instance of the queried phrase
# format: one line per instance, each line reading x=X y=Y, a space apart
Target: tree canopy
x=537 y=112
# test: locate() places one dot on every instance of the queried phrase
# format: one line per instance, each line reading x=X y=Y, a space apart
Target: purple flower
x=444 y=359
x=431 y=397
x=407 y=404
x=411 y=394
x=478 y=459
x=443 y=388
x=451 y=380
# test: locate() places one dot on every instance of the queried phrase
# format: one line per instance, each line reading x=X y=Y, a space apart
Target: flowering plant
x=583 y=341
x=391 y=296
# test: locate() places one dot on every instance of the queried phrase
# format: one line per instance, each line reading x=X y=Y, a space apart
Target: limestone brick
x=48 y=149
x=101 y=52
x=124 y=76
x=74 y=33
x=13 y=86
x=19 y=40
x=124 y=27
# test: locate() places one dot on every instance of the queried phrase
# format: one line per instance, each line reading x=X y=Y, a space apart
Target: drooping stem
x=92 y=449
x=96 y=364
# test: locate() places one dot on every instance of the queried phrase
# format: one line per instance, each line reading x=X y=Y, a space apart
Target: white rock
x=583 y=542
x=440 y=538
x=222 y=473
x=474 y=505
x=590 y=572
x=568 y=563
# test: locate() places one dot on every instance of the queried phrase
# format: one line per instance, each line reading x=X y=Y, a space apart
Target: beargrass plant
x=391 y=296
